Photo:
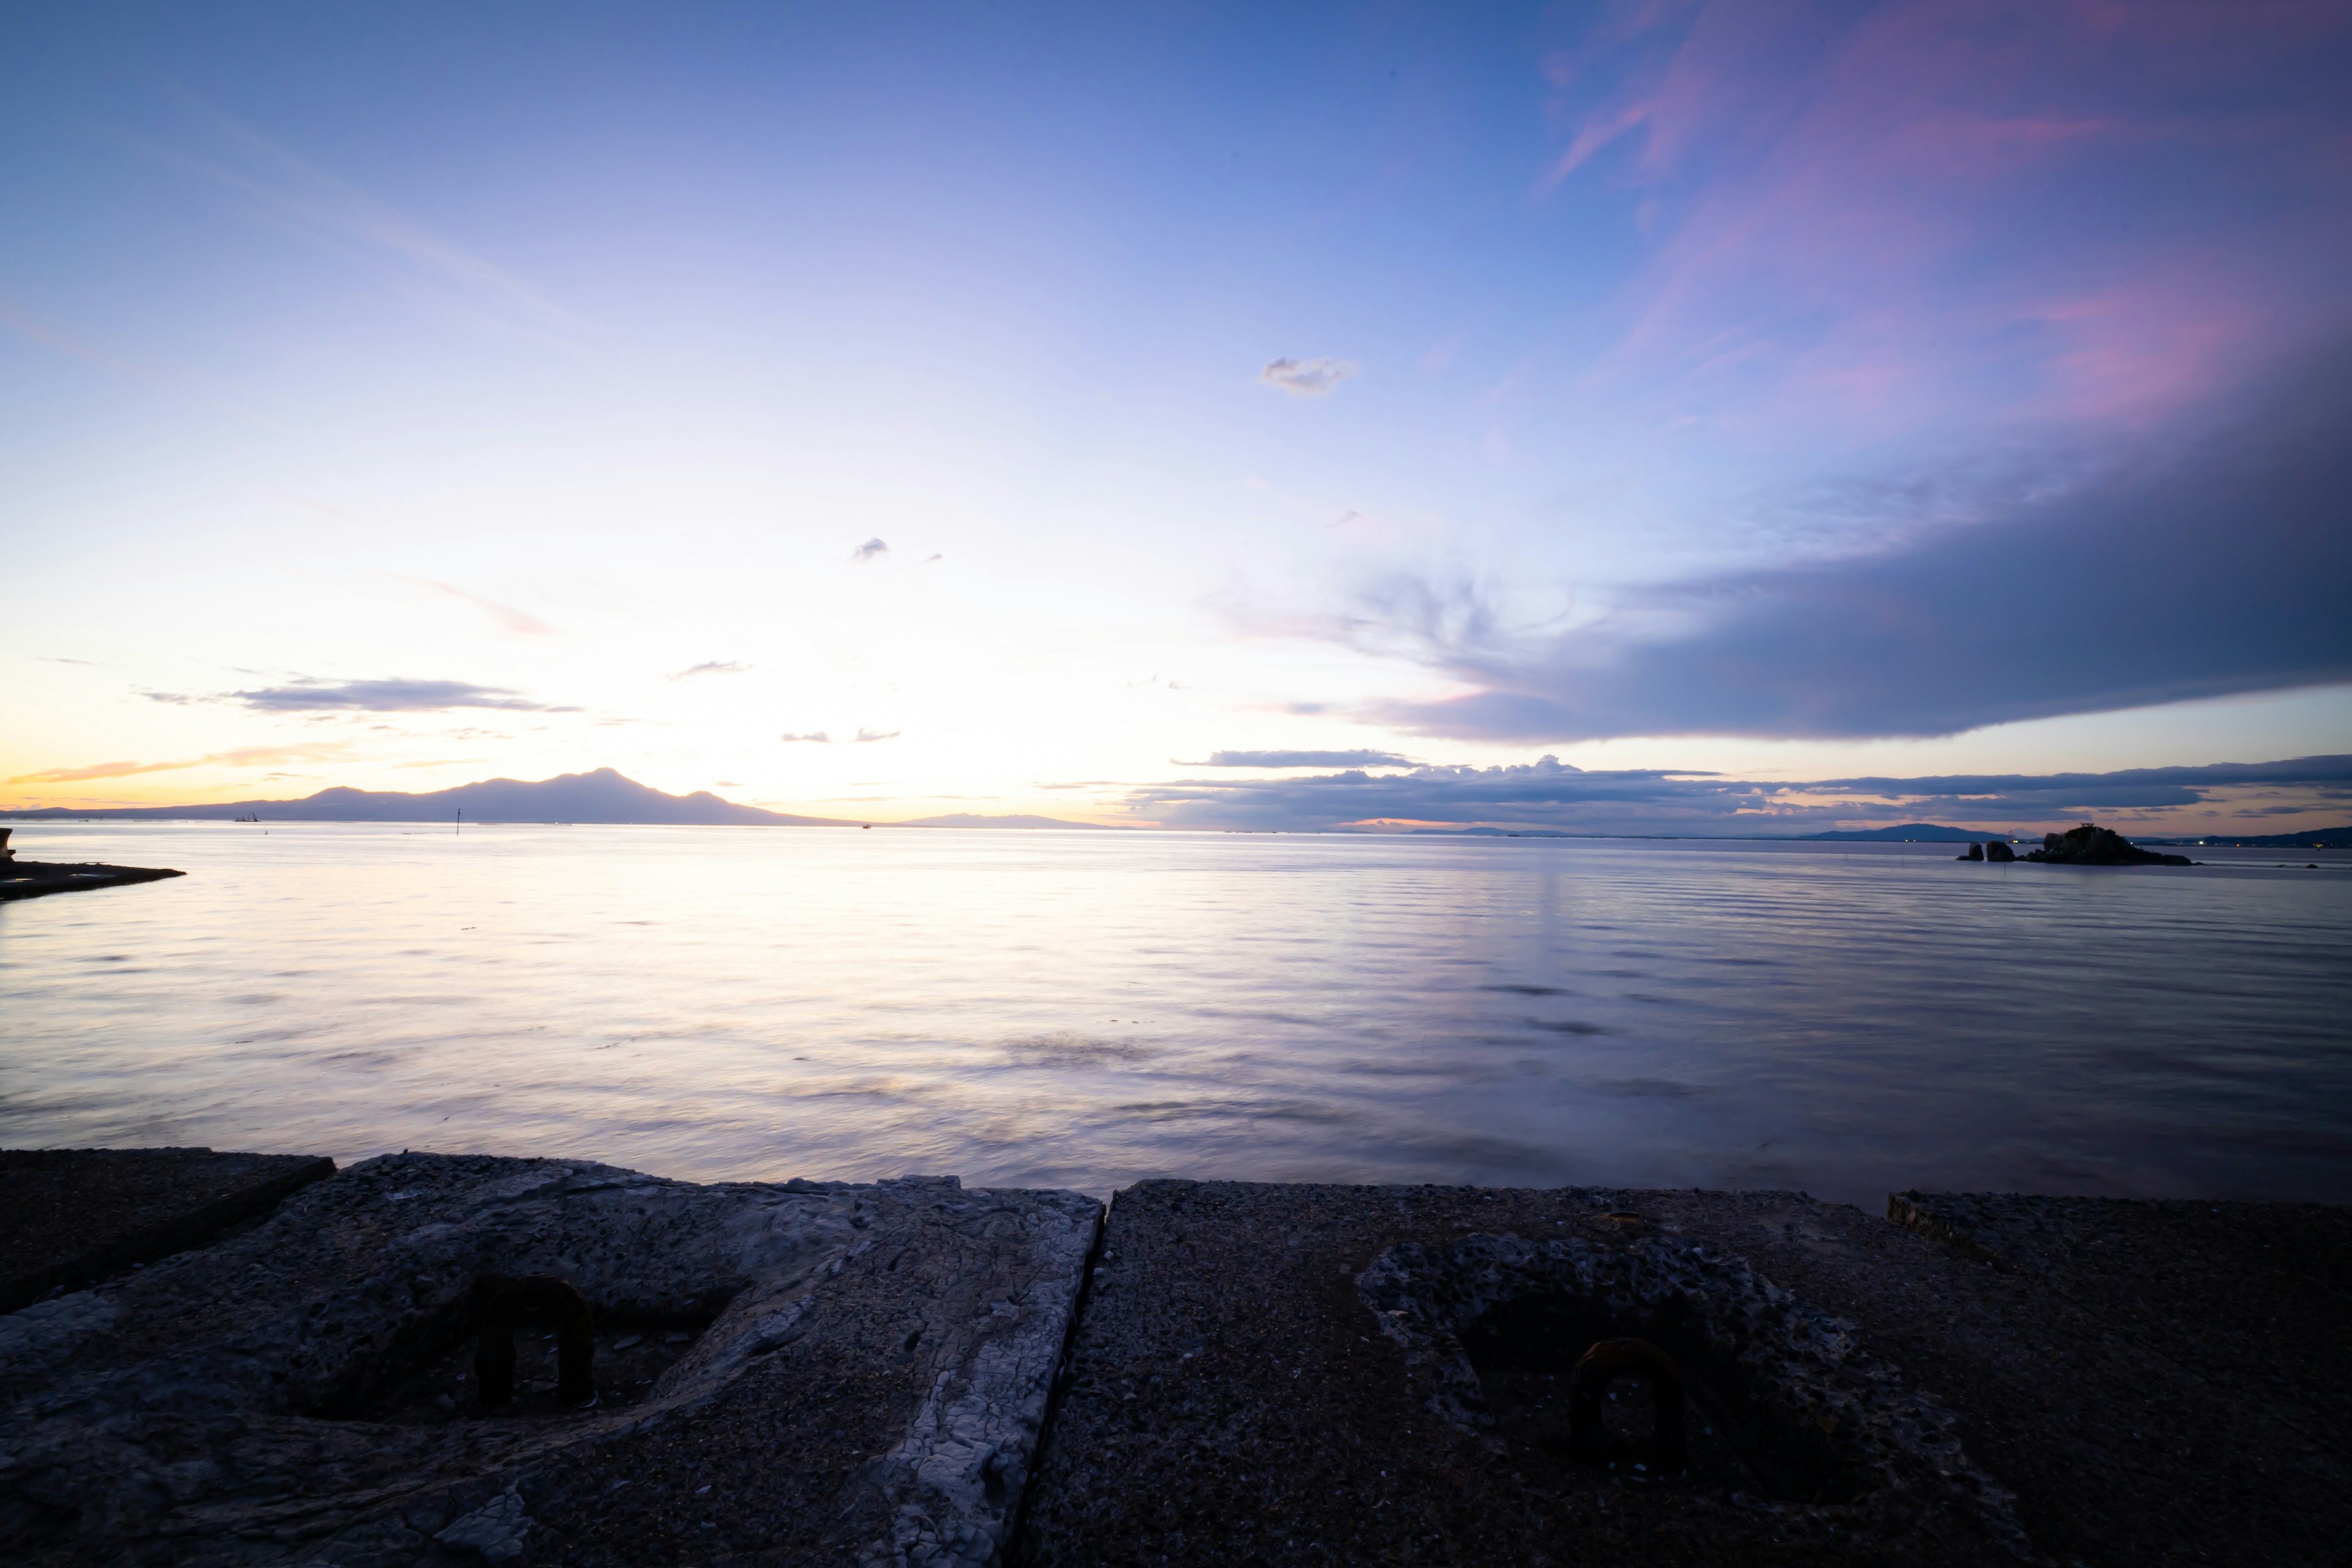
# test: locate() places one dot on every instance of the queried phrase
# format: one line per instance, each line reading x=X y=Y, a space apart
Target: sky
x=1648 y=417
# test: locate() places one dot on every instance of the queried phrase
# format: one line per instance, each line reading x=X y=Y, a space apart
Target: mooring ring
x=575 y=1345
x=1604 y=1364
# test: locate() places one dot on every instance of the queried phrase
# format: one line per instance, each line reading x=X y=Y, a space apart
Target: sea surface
x=1085 y=1009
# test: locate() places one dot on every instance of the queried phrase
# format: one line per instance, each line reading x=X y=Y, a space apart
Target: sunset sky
x=1157 y=413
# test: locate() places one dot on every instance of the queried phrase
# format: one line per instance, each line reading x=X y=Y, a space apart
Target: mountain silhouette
x=604 y=796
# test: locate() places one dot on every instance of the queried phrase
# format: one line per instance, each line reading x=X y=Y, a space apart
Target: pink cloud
x=1949 y=207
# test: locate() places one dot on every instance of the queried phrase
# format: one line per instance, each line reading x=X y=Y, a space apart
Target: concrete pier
x=1217 y=1373
x=2127 y=1383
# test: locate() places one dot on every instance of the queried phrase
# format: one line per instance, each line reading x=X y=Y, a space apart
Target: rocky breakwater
x=32 y=878
x=2091 y=845
x=782 y=1372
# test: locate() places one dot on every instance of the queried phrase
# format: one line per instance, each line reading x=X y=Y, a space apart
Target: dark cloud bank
x=1551 y=794
x=394 y=695
x=2215 y=567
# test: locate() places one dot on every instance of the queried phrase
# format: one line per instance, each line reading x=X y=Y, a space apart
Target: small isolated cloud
x=818 y=736
x=934 y=555
x=1307 y=377
x=869 y=549
x=394 y=695
x=1302 y=760
x=864 y=736
x=712 y=667
x=53 y=658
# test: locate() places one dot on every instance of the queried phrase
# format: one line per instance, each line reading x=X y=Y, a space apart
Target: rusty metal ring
x=1604 y=1364
x=576 y=1346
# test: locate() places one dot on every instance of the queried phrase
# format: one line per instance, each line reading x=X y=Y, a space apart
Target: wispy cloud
x=817 y=736
x=98 y=771
x=28 y=327
x=712 y=666
x=308 y=201
x=521 y=622
x=1301 y=760
x=865 y=737
x=869 y=549
x=237 y=757
x=392 y=695
x=1906 y=214
x=1307 y=377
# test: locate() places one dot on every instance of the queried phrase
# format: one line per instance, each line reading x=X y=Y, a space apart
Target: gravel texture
x=1234 y=1397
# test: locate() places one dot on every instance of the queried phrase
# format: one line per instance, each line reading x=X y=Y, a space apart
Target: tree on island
x=2091 y=845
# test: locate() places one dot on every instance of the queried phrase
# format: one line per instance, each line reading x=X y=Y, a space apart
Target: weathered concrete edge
x=179 y=1233
x=1057 y=1389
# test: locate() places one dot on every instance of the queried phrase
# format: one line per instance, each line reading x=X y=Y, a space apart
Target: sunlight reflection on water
x=1086 y=1009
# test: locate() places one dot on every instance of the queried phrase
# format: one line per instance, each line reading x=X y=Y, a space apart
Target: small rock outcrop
x=2091 y=845
x=1998 y=851
x=1976 y=852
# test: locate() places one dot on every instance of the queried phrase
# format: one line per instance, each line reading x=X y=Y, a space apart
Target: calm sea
x=1084 y=1009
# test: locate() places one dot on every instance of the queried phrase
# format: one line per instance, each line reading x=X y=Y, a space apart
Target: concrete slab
x=71 y=1217
x=1300 y=1374
x=785 y=1373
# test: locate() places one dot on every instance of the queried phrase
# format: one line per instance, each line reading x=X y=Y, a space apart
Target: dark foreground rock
x=71 y=1217
x=2091 y=845
x=794 y=1373
x=1286 y=1374
x=33 y=878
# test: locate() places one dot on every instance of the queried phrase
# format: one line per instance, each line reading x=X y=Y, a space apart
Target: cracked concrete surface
x=869 y=1384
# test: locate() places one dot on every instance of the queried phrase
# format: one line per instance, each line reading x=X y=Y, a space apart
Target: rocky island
x=2091 y=845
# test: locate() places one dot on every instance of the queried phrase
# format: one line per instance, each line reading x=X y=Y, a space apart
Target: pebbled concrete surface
x=1231 y=1398
x=858 y=1375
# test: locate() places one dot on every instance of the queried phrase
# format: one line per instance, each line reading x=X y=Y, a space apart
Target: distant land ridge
x=1909 y=832
x=2313 y=838
x=978 y=819
x=603 y=796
